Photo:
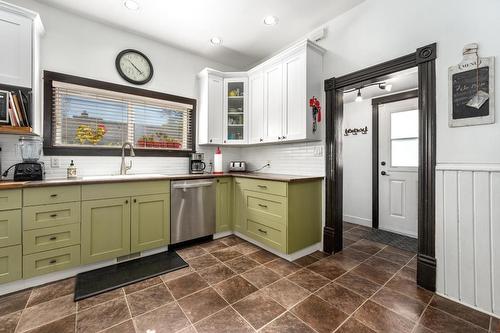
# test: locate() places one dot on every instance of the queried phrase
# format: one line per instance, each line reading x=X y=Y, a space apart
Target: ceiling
x=189 y=24
x=400 y=81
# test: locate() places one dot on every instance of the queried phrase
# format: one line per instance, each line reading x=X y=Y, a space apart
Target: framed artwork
x=471 y=86
x=4 y=107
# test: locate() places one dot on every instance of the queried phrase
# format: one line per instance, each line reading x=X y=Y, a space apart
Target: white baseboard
x=14 y=286
x=290 y=257
x=358 y=220
x=222 y=234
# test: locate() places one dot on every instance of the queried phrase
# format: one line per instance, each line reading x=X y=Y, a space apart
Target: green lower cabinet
x=105 y=230
x=239 y=224
x=224 y=204
x=150 y=223
x=10 y=263
x=51 y=261
x=10 y=227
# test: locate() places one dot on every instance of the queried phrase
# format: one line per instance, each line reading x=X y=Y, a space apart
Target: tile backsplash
x=295 y=158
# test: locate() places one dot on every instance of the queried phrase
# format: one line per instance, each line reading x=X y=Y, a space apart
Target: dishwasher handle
x=195 y=185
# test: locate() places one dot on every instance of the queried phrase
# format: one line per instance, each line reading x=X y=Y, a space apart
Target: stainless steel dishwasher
x=192 y=209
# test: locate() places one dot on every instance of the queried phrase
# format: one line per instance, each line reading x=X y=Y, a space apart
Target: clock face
x=134 y=67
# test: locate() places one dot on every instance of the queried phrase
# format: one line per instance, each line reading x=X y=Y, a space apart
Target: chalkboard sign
x=471 y=89
x=465 y=88
x=4 y=107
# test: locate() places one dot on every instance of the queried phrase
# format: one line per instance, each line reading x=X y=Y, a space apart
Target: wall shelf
x=15 y=130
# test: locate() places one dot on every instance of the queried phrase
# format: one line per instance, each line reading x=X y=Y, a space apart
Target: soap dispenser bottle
x=71 y=171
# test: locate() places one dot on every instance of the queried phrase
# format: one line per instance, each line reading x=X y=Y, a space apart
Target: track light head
x=359 y=98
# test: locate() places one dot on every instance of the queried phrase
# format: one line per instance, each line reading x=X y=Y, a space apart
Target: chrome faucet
x=124 y=168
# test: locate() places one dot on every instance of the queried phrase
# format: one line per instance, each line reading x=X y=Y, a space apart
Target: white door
x=15 y=54
x=256 y=107
x=215 y=109
x=295 y=99
x=398 y=167
x=273 y=107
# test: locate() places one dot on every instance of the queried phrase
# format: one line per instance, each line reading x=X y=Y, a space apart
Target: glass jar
x=30 y=148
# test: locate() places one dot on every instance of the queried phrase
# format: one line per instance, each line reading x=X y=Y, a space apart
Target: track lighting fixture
x=385 y=86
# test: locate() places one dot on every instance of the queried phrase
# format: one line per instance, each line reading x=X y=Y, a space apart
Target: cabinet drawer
x=273 y=237
x=35 y=217
x=269 y=207
x=10 y=227
x=263 y=186
x=10 y=199
x=125 y=189
x=10 y=263
x=51 y=195
x=45 y=239
x=51 y=261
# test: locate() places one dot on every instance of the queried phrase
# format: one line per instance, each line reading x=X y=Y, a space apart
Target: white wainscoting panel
x=468 y=234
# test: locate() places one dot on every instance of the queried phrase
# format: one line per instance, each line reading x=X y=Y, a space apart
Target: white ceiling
x=189 y=24
x=401 y=81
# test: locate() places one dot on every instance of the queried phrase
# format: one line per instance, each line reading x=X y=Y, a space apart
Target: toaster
x=239 y=166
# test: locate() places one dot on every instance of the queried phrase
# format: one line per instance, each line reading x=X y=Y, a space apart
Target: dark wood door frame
x=376 y=102
x=424 y=58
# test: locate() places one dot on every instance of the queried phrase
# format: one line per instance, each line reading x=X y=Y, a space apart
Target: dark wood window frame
x=376 y=102
x=50 y=149
x=424 y=59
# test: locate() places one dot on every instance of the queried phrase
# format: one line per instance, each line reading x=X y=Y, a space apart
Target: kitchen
x=207 y=156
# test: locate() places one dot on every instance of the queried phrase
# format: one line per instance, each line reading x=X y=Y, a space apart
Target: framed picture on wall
x=4 y=107
x=472 y=90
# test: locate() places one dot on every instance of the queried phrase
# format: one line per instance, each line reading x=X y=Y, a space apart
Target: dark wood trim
x=375 y=145
x=49 y=149
x=424 y=58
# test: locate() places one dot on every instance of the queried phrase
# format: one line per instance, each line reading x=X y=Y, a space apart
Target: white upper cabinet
x=211 y=98
x=16 y=51
x=235 y=110
x=273 y=103
x=278 y=99
x=256 y=107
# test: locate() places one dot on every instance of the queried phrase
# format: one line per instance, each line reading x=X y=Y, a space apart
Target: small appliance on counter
x=196 y=164
x=30 y=150
x=237 y=166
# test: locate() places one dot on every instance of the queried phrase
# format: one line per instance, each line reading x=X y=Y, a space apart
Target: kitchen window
x=89 y=117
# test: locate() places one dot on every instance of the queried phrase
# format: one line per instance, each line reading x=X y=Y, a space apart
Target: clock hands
x=135 y=66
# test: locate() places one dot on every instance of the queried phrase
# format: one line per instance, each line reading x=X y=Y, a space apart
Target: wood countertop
x=9 y=184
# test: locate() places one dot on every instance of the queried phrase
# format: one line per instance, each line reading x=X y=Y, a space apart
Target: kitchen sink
x=129 y=176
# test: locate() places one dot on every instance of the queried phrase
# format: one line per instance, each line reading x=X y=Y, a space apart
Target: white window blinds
x=91 y=117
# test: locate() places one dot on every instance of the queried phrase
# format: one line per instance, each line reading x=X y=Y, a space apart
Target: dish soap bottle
x=71 y=171
x=218 y=161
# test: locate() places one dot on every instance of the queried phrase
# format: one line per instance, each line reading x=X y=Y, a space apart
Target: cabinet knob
x=283 y=137
x=224 y=141
x=126 y=201
x=135 y=200
x=279 y=137
x=218 y=180
x=210 y=140
x=261 y=139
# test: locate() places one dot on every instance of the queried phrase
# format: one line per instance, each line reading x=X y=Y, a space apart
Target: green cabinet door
x=10 y=263
x=105 y=229
x=150 y=223
x=224 y=204
x=239 y=207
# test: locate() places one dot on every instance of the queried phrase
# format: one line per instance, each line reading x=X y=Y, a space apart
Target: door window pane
x=404 y=153
x=404 y=124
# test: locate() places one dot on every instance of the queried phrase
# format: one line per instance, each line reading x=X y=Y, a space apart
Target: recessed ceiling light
x=216 y=41
x=271 y=20
x=131 y=4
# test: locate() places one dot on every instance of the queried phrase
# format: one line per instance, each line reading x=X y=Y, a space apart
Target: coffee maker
x=196 y=164
x=30 y=150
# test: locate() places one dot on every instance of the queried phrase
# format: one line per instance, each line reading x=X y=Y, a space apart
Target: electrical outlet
x=54 y=162
x=318 y=151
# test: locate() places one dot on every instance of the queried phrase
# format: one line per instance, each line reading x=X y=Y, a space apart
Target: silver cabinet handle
x=53 y=216
x=53 y=195
x=262 y=186
x=53 y=261
x=53 y=238
x=263 y=231
x=263 y=206
x=183 y=186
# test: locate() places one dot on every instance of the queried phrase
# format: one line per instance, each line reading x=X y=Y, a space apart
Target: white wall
x=357 y=164
x=77 y=46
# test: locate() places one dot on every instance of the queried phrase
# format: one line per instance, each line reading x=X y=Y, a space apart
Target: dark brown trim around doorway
x=424 y=58
x=375 y=142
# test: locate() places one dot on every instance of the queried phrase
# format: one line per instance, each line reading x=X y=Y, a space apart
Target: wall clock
x=134 y=67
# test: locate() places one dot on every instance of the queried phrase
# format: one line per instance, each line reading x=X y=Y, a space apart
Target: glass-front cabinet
x=235 y=110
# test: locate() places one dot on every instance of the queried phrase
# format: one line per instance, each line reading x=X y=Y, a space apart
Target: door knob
x=383 y=173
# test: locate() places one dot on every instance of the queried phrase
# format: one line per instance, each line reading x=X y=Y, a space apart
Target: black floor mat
x=389 y=238
x=112 y=277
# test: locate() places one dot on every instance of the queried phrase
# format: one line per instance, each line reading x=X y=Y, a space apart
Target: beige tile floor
x=233 y=286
